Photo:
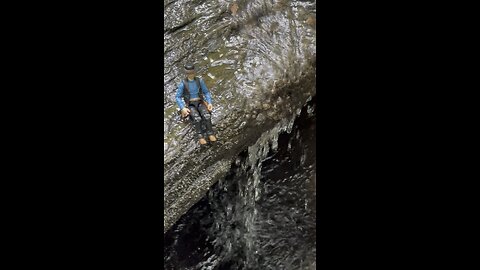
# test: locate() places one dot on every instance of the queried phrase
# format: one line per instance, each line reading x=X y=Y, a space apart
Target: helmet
x=189 y=67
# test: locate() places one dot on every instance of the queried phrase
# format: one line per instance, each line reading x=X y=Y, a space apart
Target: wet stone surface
x=261 y=215
x=258 y=60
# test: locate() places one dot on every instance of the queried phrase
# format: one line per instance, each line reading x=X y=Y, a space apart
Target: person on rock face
x=190 y=99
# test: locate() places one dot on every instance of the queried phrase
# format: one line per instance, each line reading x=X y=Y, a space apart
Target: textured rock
x=259 y=64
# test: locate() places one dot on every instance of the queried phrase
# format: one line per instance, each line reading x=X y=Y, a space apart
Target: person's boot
x=212 y=138
x=202 y=141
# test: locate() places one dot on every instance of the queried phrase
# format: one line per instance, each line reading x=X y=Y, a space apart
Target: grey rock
x=245 y=60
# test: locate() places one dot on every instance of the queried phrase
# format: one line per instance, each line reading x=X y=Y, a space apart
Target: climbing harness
x=186 y=94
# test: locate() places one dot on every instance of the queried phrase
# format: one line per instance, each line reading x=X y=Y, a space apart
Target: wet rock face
x=261 y=215
x=258 y=60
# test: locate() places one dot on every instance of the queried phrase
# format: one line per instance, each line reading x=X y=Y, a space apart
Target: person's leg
x=196 y=120
x=208 y=121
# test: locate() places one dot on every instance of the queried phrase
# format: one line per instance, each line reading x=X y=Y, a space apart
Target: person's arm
x=205 y=91
x=179 y=96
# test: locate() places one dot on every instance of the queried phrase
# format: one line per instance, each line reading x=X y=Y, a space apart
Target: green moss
x=170 y=112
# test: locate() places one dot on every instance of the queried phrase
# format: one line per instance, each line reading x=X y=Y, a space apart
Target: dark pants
x=199 y=112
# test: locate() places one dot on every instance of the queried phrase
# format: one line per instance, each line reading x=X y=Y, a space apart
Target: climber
x=194 y=104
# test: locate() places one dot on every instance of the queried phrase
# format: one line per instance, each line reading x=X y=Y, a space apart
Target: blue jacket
x=192 y=86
